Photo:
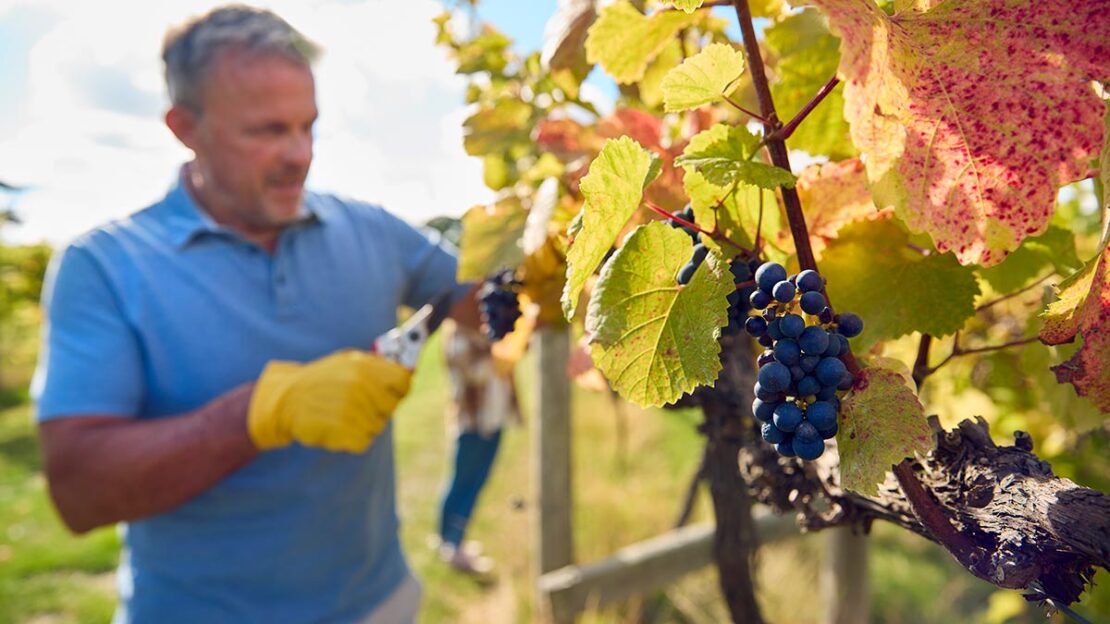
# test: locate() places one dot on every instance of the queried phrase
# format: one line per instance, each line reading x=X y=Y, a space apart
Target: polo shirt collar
x=187 y=221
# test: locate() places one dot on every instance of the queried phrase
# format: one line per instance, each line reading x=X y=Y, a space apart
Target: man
x=205 y=379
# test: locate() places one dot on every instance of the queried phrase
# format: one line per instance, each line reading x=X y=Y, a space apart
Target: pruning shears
x=403 y=343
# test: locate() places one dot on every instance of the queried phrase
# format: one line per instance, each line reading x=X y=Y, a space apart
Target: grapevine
x=933 y=219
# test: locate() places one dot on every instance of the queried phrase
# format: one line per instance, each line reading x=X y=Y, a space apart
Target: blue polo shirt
x=157 y=314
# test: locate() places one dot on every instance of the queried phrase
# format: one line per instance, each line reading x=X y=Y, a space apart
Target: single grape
x=766 y=340
x=787 y=417
x=766 y=395
x=783 y=292
x=848 y=324
x=814 y=340
x=813 y=302
x=769 y=274
x=764 y=412
x=822 y=414
x=809 y=281
x=825 y=316
x=788 y=352
x=792 y=325
x=759 y=299
x=826 y=393
x=833 y=348
x=756 y=326
x=808 y=450
x=830 y=371
x=775 y=377
x=809 y=362
x=830 y=432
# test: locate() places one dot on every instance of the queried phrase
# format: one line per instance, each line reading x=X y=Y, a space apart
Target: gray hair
x=188 y=50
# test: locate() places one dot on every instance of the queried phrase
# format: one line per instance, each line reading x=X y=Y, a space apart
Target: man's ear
x=182 y=122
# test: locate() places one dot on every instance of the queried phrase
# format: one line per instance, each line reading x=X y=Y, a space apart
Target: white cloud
x=92 y=144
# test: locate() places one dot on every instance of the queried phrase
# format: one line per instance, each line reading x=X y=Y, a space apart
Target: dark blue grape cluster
x=741 y=272
x=800 y=372
x=498 y=303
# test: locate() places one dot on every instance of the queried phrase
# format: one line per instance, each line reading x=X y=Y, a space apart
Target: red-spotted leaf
x=972 y=113
x=1083 y=308
x=881 y=423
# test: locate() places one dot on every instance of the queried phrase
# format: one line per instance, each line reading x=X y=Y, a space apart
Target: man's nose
x=298 y=149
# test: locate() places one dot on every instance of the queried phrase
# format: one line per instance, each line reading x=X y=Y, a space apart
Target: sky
x=82 y=99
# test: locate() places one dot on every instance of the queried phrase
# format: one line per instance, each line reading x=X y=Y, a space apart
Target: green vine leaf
x=623 y=40
x=734 y=211
x=882 y=422
x=494 y=129
x=971 y=114
x=807 y=56
x=873 y=271
x=1055 y=248
x=491 y=239
x=613 y=189
x=653 y=339
x=723 y=155
x=702 y=79
x=687 y=5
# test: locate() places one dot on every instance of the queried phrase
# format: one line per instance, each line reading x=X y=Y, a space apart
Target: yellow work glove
x=340 y=402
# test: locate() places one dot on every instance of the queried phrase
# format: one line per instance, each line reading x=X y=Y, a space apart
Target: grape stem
x=742 y=285
x=1014 y=294
x=715 y=235
x=776 y=146
x=784 y=132
x=957 y=351
x=747 y=112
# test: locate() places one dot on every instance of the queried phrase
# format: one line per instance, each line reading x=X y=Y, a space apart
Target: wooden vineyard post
x=551 y=456
x=845 y=583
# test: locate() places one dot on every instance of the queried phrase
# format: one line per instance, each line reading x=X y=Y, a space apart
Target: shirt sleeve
x=90 y=362
x=429 y=263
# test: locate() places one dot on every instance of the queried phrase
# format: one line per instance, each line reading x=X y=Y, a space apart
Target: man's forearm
x=107 y=469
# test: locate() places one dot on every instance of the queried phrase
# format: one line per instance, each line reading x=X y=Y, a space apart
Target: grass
x=625 y=490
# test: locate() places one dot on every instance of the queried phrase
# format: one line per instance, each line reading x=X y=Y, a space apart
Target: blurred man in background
x=206 y=378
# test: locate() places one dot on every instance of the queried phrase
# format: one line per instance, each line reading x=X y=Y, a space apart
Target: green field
x=624 y=492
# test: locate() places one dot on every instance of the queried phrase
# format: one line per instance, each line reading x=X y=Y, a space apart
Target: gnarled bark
x=999 y=510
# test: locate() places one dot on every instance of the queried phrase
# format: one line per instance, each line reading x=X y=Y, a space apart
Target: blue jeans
x=474 y=456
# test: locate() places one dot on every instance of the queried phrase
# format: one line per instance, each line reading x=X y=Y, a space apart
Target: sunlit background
x=82 y=99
